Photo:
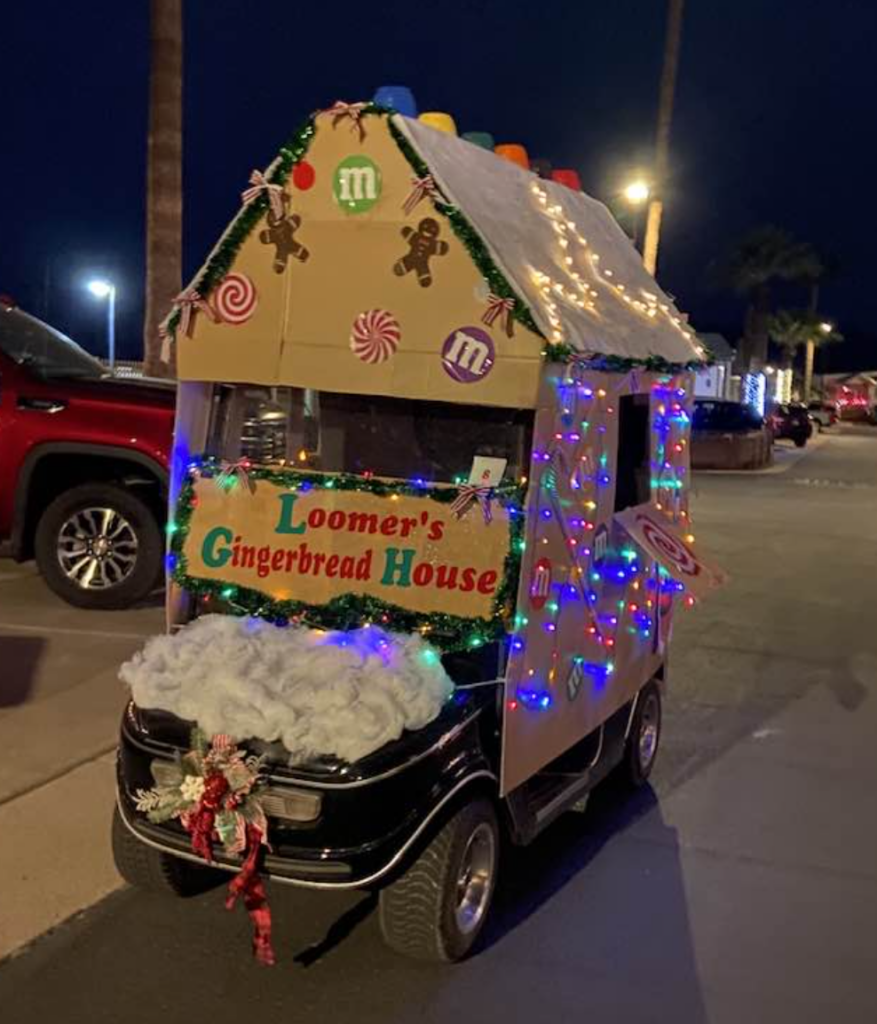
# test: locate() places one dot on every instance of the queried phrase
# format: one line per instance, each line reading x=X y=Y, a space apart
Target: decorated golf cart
x=429 y=524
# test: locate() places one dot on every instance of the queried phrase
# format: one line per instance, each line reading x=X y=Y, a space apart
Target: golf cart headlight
x=298 y=805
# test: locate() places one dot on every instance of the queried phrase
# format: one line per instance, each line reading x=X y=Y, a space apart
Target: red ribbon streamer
x=249 y=884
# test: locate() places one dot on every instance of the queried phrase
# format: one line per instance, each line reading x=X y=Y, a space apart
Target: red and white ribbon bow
x=259 y=184
x=190 y=302
x=497 y=306
x=468 y=494
x=421 y=187
x=339 y=110
x=229 y=472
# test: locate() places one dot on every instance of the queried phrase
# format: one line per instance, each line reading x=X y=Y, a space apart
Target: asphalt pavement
x=741 y=887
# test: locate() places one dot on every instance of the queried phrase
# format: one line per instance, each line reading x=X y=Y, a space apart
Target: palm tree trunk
x=808 y=368
x=164 y=186
x=672 y=42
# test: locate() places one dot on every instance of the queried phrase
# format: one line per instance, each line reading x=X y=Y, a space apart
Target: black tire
x=800 y=442
x=138 y=516
x=645 y=737
x=154 y=871
x=421 y=913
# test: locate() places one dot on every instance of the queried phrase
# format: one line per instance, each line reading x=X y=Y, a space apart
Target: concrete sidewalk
x=60 y=702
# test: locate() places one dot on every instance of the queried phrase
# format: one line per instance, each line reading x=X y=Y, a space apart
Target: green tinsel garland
x=349 y=611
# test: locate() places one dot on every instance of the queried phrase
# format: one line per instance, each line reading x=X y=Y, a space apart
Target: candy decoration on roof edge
x=473 y=493
x=375 y=336
x=259 y=184
x=484 y=140
x=397 y=97
x=514 y=153
x=235 y=299
x=303 y=175
x=440 y=121
x=568 y=177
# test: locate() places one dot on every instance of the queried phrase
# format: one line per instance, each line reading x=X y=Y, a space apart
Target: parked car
x=728 y=435
x=83 y=466
x=790 y=421
x=823 y=414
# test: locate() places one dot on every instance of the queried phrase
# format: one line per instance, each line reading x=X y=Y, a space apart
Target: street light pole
x=101 y=289
x=111 y=326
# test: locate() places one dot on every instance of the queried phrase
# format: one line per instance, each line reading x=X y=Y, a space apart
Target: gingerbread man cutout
x=424 y=243
x=281 y=234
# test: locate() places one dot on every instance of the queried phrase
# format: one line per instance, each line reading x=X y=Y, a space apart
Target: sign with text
x=316 y=542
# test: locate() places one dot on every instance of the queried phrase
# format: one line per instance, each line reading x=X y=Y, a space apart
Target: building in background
x=715 y=381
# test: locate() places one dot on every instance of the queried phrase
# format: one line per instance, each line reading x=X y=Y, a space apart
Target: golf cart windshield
x=390 y=437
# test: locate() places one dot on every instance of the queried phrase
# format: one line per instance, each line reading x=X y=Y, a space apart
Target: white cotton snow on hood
x=341 y=694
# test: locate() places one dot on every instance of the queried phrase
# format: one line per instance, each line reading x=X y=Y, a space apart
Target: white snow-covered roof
x=562 y=252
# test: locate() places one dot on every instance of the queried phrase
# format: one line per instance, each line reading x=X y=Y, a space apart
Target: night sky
x=776 y=110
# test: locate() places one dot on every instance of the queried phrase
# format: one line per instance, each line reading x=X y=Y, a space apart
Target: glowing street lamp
x=826 y=327
x=102 y=289
x=637 y=192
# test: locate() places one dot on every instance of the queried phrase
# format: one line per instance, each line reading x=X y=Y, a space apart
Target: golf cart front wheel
x=154 y=871
x=645 y=735
x=436 y=910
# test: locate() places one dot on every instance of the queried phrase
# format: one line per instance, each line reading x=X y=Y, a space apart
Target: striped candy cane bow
x=190 y=302
x=468 y=494
x=421 y=187
x=497 y=306
x=259 y=184
x=354 y=111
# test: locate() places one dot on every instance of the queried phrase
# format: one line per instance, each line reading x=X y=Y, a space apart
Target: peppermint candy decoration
x=674 y=551
x=235 y=299
x=375 y=336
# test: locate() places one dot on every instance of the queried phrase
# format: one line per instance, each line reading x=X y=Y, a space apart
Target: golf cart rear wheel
x=436 y=910
x=153 y=871
x=645 y=736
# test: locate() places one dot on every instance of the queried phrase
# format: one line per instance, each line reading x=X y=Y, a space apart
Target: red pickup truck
x=83 y=466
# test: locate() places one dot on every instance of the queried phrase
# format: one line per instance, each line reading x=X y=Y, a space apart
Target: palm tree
x=787 y=329
x=792 y=328
x=672 y=43
x=765 y=256
x=164 y=186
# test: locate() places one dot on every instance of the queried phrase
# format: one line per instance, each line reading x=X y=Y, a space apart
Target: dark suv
x=790 y=421
x=83 y=466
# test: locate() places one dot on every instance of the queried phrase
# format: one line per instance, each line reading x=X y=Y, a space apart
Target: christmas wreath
x=212 y=790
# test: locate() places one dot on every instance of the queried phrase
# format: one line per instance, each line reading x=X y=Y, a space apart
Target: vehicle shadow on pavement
x=631 y=916
x=20 y=659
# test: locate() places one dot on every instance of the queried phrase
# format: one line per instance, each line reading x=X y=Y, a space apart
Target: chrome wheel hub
x=648 y=732
x=97 y=548
x=475 y=878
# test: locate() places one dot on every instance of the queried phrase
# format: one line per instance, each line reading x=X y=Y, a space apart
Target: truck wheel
x=99 y=546
x=800 y=442
x=154 y=871
x=645 y=736
x=436 y=910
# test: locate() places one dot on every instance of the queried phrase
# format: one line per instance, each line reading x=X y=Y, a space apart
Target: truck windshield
x=392 y=437
x=29 y=342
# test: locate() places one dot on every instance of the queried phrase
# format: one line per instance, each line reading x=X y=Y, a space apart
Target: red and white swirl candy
x=671 y=548
x=375 y=336
x=235 y=299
